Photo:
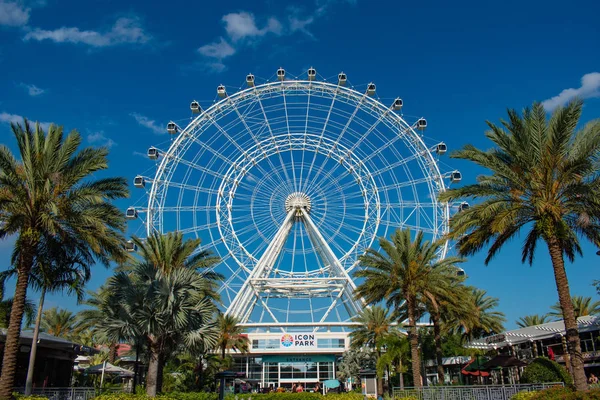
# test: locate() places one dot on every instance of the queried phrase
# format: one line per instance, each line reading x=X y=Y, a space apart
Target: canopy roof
x=109 y=369
x=503 y=361
x=538 y=332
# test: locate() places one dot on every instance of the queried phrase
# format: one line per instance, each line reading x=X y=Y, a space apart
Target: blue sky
x=119 y=71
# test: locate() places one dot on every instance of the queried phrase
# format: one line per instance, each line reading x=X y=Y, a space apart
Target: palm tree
x=375 y=325
x=58 y=322
x=49 y=193
x=582 y=306
x=543 y=179
x=231 y=336
x=480 y=319
x=396 y=349
x=404 y=271
x=55 y=270
x=167 y=296
x=532 y=320
x=445 y=297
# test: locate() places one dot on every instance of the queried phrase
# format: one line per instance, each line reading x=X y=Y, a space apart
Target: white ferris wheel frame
x=303 y=141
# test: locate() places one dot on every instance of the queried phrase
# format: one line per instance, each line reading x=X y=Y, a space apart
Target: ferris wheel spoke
x=286 y=177
x=256 y=141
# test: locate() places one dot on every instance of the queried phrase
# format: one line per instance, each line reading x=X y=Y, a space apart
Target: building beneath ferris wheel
x=278 y=359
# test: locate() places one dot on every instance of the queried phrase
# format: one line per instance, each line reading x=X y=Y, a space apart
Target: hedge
x=558 y=393
x=544 y=370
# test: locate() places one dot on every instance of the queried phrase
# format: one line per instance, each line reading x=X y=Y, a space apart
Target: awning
x=475 y=367
x=109 y=369
x=331 y=384
x=503 y=361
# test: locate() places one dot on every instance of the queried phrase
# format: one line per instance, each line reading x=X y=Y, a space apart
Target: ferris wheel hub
x=298 y=201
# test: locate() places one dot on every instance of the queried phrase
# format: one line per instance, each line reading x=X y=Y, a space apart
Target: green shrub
x=21 y=396
x=544 y=370
x=558 y=393
x=524 y=396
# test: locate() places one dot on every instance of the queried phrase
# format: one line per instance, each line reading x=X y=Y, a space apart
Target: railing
x=64 y=393
x=484 y=392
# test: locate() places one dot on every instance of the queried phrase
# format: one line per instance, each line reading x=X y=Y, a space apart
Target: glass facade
x=279 y=370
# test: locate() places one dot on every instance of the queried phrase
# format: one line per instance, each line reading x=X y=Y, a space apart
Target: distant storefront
x=283 y=359
x=547 y=340
x=54 y=359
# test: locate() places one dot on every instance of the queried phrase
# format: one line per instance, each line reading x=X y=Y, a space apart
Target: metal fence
x=64 y=393
x=487 y=392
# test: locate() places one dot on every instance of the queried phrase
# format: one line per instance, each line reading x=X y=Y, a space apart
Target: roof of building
x=44 y=340
x=537 y=332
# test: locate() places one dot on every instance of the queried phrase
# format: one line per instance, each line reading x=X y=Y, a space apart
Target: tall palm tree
x=582 y=307
x=58 y=269
x=375 y=324
x=49 y=193
x=405 y=271
x=543 y=179
x=231 y=335
x=532 y=320
x=58 y=322
x=480 y=320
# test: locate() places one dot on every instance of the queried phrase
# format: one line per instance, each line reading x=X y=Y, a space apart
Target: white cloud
x=124 y=31
x=32 y=90
x=590 y=87
x=219 y=50
x=243 y=25
x=99 y=139
x=148 y=123
x=13 y=13
x=18 y=119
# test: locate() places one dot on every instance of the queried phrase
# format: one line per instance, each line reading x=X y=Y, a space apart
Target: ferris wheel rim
x=226 y=163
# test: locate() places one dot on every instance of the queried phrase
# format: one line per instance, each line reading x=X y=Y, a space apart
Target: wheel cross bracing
x=289 y=182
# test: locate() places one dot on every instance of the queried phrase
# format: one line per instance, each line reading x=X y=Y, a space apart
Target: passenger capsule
x=153 y=153
x=312 y=74
x=422 y=124
x=130 y=247
x=281 y=74
x=371 y=89
x=441 y=148
x=195 y=107
x=397 y=104
x=463 y=206
x=221 y=91
x=455 y=177
x=172 y=128
x=342 y=78
x=131 y=213
x=139 y=181
x=250 y=80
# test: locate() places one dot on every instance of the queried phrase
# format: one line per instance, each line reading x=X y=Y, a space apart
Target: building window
x=330 y=343
x=265 y=344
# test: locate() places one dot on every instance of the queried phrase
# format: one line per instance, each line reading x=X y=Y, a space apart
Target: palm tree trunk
x=36 y=333
x=152 y=376
x=413 y=339
x=136 y=366
x=564 y=297
x=11 y=347
x=379 y=377
x=437 y=338
x=401 y=374
x=161 y=367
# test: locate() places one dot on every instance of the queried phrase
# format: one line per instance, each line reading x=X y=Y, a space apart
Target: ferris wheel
x=289 y=181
